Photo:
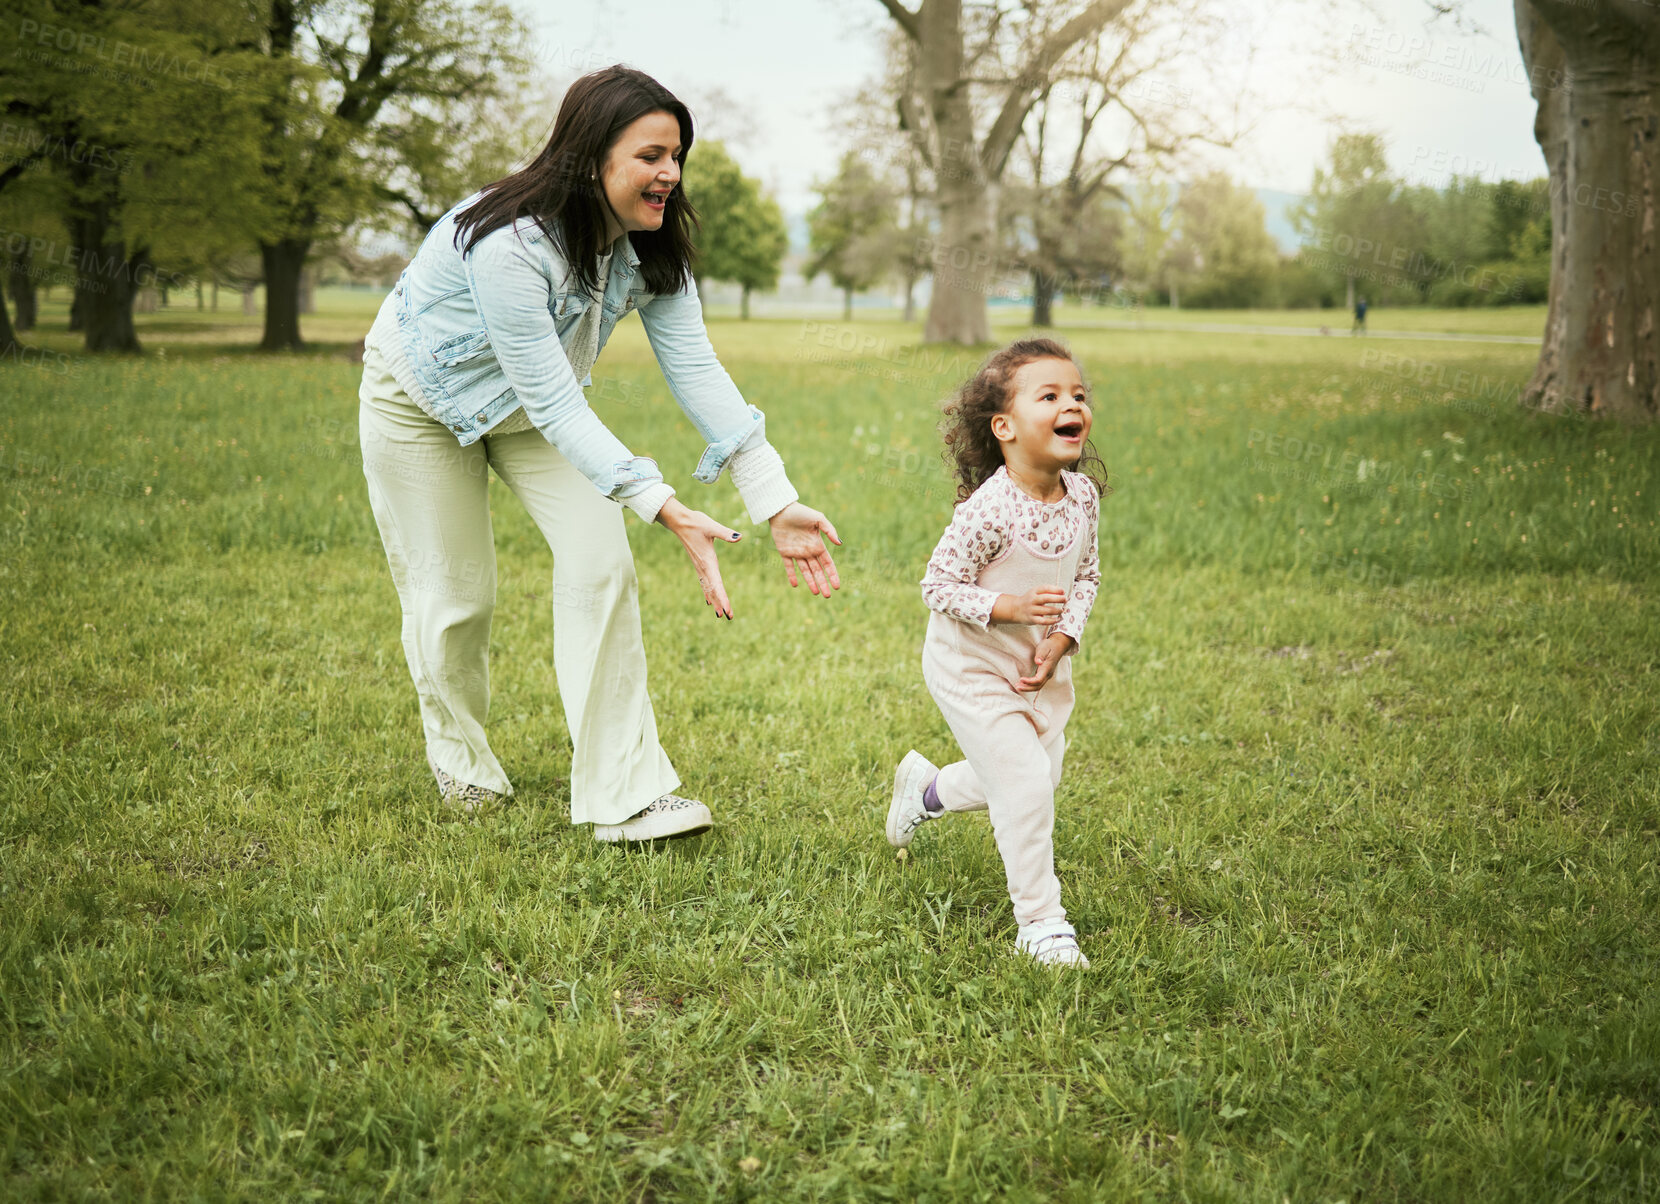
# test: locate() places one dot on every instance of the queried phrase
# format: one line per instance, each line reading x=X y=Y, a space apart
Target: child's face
x=1047 y=419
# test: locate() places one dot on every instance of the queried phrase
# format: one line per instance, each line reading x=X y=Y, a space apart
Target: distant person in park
x=1360 y=317
x=477 y=360
x=1010 y=586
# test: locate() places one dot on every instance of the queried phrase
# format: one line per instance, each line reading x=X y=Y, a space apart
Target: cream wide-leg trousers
x=431 y=501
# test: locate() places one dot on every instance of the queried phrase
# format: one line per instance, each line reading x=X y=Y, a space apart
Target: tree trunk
x=20 y=285
x=9 y=346
x=1349 y=293
x=910 y=298
x=1043 y=298
x=250 y=305
x=308 y=291
x=1175 y=293
x=1595 y=73
x=743 y=305
x=964 y=261
x=106 y=277
x=199 y=305
x=107 y=300
x=847 y=305
x=106 y=281
x=77 y=310
x=284 y=262
x=215 y=308
x=145 y=301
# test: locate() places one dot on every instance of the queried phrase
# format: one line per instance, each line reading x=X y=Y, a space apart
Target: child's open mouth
x=1071 y=431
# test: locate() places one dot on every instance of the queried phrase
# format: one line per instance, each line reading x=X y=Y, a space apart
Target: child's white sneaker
x=907 y=812
x=1051 y=943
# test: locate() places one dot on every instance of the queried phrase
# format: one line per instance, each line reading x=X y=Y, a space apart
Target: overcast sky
x=769 y=74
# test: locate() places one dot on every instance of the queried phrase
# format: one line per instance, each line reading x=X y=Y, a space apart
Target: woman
x=474 y=361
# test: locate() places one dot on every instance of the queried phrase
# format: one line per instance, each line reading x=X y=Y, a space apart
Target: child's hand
x=1035 y=608
x=1048 y=657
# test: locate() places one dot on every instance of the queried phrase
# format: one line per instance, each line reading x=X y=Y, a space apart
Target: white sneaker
x=906 y=812
x=668 y=816
x=1051 y=943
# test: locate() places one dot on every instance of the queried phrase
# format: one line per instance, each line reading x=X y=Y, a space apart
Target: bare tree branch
x=22 y=165
x=396 y=196
x=915 y=124
x=1000 y=139
x=904 y=18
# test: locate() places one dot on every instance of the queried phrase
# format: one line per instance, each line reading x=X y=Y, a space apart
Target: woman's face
x=641 y=169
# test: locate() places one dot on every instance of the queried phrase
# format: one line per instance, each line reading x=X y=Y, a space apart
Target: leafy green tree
x=1149 y=223
x=1444 y=230
x=16 y=242
x=142 y=114
x=851 y=231
x=342 y=81
x=1350 y=212
x=1224 y=227
x=1483 y=244
x=1073 y=235
x=1518 y=220
x=864 y=120
x=741 y=237
x=420 y=169
x=29 y=201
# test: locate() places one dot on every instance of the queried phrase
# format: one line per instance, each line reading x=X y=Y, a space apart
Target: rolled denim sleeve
x=511 y=293
x=705 y=391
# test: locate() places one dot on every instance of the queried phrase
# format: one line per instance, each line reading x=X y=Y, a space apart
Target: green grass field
x=1358 y=826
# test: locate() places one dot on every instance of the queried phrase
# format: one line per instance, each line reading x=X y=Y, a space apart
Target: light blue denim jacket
x=476 y=336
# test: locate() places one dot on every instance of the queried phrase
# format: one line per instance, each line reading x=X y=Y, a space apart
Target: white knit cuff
x=649 y=500
x=762 y=482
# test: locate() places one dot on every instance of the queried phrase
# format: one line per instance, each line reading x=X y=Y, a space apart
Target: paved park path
x=1315 y=331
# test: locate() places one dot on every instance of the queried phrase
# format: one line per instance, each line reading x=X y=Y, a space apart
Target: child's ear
x=1002 y=426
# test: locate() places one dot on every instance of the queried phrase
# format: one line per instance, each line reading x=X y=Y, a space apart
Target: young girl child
x=1010 y=586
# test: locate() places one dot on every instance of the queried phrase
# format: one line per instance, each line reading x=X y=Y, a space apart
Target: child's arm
x=968 y=545
x=1085 y=584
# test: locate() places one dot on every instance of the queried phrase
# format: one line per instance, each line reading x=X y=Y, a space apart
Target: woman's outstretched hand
x=796 y=531
x=699 y=533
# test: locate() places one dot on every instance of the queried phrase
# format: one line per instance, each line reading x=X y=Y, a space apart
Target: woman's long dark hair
x=971 y=449
x=562 y=191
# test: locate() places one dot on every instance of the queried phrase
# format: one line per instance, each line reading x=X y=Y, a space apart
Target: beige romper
x=1013 y=742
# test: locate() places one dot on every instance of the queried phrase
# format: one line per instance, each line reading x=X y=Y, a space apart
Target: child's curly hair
x=970 y=446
